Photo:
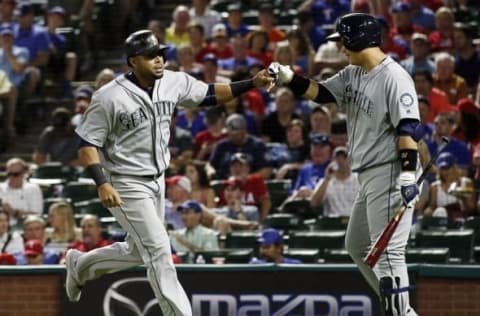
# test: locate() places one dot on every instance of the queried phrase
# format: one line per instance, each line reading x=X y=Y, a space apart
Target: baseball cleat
x=73 y=287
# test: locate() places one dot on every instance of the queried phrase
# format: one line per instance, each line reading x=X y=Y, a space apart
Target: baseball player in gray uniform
x=383 y=129
x=124 y=145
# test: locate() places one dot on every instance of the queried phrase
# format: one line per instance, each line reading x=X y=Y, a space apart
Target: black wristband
x=239 y=87
x=299 y=85
x=408 y=159
x=96 y=172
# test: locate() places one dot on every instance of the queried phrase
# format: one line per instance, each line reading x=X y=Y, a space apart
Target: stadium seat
x=283 y=221
x=473 y=222
x=476 y=254
x=242 y=239
x=300 y=208
x=78 y=191
x=304 y=255
x=229 y=255
x=331 y=223
x=92 y=206
x=433 y=223
x=460 y=242
x=428 y=255
x=336 y=256
x=279 y=190
x=320 y=240
x=55 y=170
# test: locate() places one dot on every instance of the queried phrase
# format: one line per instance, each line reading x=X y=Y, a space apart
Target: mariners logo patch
x=406 y=99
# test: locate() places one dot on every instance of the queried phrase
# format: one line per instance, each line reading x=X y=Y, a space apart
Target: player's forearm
x=407 y=142
x=88 y=155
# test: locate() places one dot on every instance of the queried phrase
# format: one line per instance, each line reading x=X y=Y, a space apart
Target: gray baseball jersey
x=375 y=102
x=128 y=125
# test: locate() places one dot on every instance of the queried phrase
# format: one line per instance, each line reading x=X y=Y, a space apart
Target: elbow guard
x=412 y=128
x=210 y=99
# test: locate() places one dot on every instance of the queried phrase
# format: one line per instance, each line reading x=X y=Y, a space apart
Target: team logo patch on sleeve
x=406 y=99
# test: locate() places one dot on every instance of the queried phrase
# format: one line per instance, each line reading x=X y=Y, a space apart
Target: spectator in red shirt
x=206 y=139
x=441 y=39
x=91 y=235
x=397 y=49
x=196 y=34
x=255 y=191
x=220 y=45
x=438 y=99
x=447 y=80
x=266 y=20
x=258 y=47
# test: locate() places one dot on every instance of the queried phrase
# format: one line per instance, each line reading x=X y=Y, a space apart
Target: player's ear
x=131 y=61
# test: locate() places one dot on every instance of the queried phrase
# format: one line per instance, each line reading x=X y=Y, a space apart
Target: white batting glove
x=280 y=72
x=408 y=188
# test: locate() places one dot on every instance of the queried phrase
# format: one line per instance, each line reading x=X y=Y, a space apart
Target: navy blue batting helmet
x=357 y=31
x=143 y=43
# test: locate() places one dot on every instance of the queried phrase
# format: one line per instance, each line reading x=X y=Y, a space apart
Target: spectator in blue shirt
x=421 y=15
x=326 y=12
x=271 y=248
x=238 y=140
x=234 y=22
x=312 y=172
x=240 y=59
x=35 y=38
x=307 y=25
x=444 y=123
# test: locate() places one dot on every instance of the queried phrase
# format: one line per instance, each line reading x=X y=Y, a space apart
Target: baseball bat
x=382 y=241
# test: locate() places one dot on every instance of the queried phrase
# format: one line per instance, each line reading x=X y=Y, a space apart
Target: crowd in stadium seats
x=264 y=177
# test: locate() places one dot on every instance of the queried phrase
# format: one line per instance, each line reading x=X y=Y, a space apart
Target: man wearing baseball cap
x=194 y=236
x=271 y=248
x=338 y=188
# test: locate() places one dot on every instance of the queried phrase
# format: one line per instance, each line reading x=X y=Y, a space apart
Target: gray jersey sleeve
x=336 y=84
x=401 y=97
x=96 y=123
x=193 y=90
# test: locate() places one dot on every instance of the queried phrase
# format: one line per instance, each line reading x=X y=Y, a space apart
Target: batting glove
x=280 y=72
x=408 y=188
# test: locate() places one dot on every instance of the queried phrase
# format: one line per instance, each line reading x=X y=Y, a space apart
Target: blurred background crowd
x=265 y=172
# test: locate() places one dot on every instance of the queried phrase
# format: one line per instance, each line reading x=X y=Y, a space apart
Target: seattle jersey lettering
x=360 y=99
x=164 y=107
x=129 y=121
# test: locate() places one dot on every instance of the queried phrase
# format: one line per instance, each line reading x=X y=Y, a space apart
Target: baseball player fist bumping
x=381 y=106
x=280 y=72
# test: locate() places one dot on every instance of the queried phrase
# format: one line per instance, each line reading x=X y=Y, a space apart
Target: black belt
x=152 y=177
x=363 y=169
